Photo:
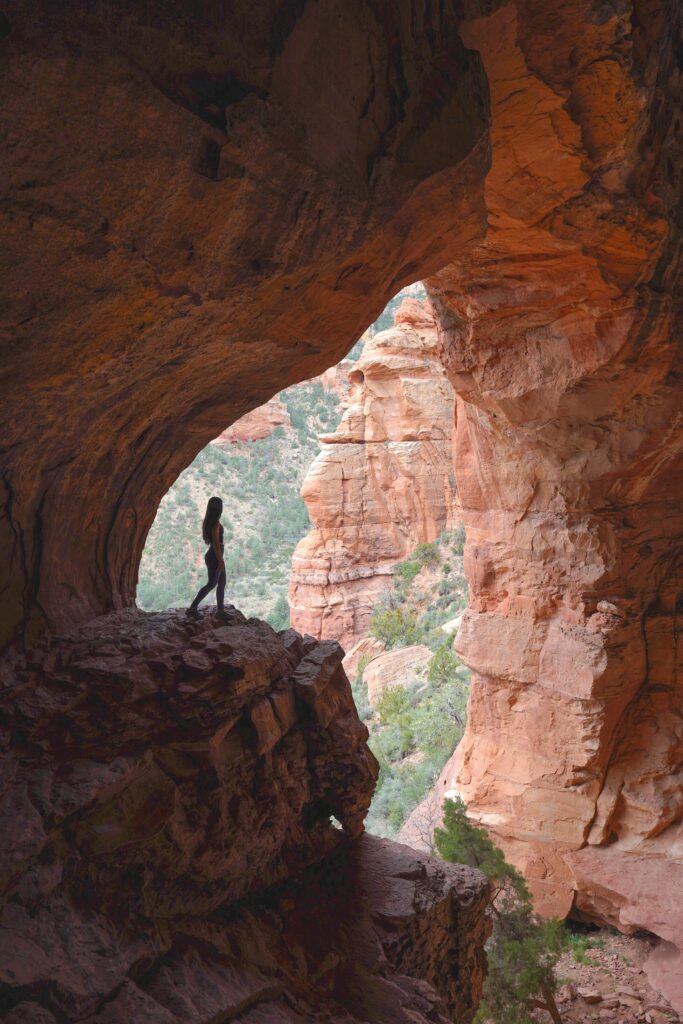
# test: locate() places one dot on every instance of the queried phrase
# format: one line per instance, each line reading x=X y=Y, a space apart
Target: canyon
x=382 y=483
x=198 y=214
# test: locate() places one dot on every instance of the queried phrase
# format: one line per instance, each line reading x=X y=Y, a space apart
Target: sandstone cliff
x=168 y=853
x=562 y=338
x=382 y=483
x=255 y=425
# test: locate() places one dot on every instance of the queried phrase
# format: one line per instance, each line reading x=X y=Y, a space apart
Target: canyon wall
x=382 y=484
x=562 y=338
x=168 y=853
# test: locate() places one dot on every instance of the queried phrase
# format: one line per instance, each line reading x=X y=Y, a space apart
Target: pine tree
x=524 y=949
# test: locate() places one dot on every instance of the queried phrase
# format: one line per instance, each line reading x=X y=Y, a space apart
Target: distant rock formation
x=336 y=379
x=255 y=425
x=169 y=854
x=383 y=482
x=395 y=668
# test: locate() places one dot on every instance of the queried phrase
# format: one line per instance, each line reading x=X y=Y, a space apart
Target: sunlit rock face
x=164 y=782
x=562 y=338
x=255 y=425
x=383 y=482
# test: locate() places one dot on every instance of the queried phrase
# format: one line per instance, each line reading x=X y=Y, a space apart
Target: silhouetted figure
x=212 y=532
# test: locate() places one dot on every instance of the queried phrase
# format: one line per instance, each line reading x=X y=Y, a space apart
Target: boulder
x=168 y=851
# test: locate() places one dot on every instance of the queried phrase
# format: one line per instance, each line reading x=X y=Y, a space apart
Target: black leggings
x=216 y=578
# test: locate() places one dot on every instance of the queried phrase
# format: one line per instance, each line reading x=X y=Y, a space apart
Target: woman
x=212 y=532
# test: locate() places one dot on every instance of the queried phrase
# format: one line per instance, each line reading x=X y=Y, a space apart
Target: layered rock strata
x=395 y=668
x=168 y=852
x=208 y=225
x=382 y=484
x=562 y=338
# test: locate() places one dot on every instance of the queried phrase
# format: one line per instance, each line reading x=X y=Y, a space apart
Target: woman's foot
x=192 y=612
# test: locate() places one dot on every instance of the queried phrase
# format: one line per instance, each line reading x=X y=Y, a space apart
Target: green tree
x=395 y=627
x=524 y=949
x=279 y=617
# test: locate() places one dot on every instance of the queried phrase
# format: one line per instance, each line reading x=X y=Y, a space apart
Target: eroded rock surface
x=160 y=777
x=382 y=484
x=395 y=668
x=209 y=224
x=562 y=337
x=255 y=425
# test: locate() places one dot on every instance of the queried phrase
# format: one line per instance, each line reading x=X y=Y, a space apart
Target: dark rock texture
x=159 y=778
x=199 y=208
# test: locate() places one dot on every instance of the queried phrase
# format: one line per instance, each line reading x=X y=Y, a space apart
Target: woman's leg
x=211 y=568
x=220 y=591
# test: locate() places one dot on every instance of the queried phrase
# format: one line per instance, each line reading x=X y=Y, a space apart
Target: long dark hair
x=214 y=509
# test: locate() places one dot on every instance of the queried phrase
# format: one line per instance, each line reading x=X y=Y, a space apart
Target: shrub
x=443 y=665
x=458 y=541
x=427 y=554
x=395 y=627
x=359 y=692
x=407 y=571
x=523 y=950
x=279 y=617
x=393 y=702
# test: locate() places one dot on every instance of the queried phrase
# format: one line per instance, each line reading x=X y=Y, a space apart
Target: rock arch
x=222 y=212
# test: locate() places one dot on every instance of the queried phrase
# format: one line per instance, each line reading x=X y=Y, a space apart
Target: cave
x=200 y=208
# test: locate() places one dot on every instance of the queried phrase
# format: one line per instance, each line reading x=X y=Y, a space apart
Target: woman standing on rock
x=212 y=532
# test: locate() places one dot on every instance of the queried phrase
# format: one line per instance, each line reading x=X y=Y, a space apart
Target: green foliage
x=427 y=554
x=407 y=571
x=279 y=616
x=395 y=627
x=359 y=692
x=423 y=719
x=524 y=949
x=392 y=704
x=458 y=539
x=363 y=663
x=580 y=944
x=443 y=665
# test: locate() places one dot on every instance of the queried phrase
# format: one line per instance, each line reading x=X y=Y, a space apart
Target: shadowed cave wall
x=196 y=217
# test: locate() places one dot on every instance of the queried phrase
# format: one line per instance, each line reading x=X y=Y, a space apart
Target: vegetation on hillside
x=264 y=515
x=414 y=729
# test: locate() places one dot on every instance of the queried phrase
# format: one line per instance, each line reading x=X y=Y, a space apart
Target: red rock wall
x=562 y=337
x=255 y=425
x=192 y=221
x=382 y=484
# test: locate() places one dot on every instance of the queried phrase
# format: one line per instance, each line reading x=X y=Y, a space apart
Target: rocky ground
x=607 y=982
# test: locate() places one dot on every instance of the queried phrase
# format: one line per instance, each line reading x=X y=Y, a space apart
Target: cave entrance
x=341 y=518
x=257 y=466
